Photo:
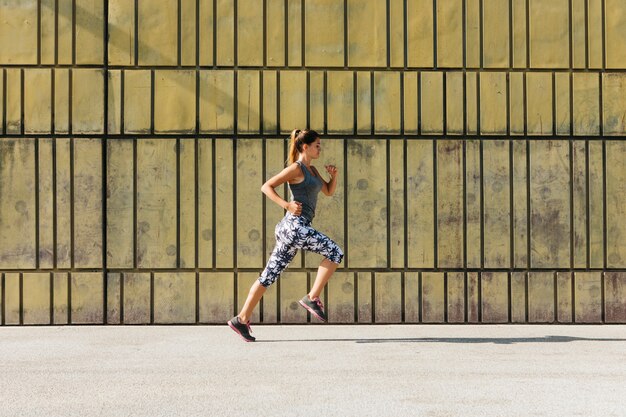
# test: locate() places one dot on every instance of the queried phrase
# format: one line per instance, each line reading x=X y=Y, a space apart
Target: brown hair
x=299 y=138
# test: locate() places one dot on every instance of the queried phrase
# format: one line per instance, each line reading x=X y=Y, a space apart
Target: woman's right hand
x=294 y=208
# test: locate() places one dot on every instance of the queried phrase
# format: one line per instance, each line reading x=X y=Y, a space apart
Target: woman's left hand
x=332 y=170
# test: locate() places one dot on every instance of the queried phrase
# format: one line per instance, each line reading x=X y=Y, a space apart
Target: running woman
x=294 y=231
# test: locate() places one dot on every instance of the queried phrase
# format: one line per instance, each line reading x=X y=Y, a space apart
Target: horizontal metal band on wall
x=79 y=203
x=268 y=102
x=362 y=297
x=356 y=33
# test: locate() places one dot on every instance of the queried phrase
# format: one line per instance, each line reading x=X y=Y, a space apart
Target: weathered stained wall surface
x=481 y=154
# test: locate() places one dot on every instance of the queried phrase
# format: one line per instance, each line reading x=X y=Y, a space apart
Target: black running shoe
x=241 y=329
x=314 y=307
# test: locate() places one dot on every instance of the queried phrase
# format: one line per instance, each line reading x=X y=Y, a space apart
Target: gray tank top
x=306 y=192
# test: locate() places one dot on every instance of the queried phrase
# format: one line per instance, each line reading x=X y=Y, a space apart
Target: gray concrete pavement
x=314 y=370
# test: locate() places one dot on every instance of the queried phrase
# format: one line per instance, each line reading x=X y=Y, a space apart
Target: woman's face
x=314 y=149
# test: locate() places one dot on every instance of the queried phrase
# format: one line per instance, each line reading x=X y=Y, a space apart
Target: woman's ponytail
x=294 y=147
x=297 y=139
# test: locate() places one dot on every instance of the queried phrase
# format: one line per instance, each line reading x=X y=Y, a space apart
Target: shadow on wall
x=223 y=101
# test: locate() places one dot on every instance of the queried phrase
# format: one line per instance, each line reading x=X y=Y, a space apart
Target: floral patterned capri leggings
x=293 y=233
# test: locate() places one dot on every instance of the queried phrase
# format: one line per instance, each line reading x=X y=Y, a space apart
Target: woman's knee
x=336 y=255
x=266 y=281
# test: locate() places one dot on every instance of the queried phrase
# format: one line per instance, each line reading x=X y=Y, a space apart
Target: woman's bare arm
x=288 y=174
x=328 y=187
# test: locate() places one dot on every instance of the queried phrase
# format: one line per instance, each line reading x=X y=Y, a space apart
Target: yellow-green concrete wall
x=480 y=146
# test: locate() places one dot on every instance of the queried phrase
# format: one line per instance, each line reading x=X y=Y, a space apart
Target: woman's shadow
x=495 y=340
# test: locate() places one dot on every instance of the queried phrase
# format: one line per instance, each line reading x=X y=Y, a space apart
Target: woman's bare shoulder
x=294 y=173
x=293 y=168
